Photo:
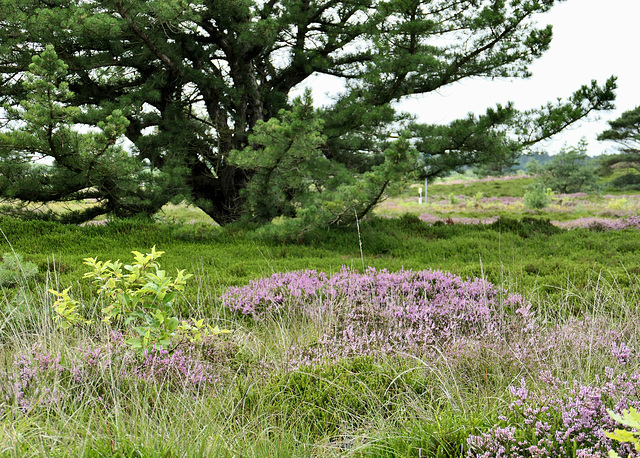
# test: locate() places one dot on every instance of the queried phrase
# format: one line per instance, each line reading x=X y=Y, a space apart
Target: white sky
x=593 y=39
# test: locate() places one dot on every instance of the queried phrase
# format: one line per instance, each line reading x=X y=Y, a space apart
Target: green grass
x=511 y=255
x=512 y=188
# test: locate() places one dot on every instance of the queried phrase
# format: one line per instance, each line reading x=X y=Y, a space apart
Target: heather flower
x=564 y=417
x=621 y=352
x=39 y=379
x=178 y=367
x=380 y=312
x=601 y=224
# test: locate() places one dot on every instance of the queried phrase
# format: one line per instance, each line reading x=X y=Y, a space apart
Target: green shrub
x=627 y=182
x=618 y=204
x=324 y=398
x=631 y=419
x=534 y=167
x=527 y=227
x=13 y=268
x=141 y=294
x=537 y=196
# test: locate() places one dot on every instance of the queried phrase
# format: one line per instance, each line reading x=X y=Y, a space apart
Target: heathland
x=469 y=325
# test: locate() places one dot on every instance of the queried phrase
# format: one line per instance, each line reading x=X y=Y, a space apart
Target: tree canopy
x=201 y=92
x=625 y=131
x=570 y=170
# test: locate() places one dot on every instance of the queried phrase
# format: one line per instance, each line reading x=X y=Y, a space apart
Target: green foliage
x=67 y=309
x=14 y=268
x=534 y=167
x=91 y=165
x=618 y=204
x=476 y=198
x=527 y=227
x=139 y=293
x=537 y=196
x=294 y=179
x=631 y=419
x=626 y=132
x=627 y=182
x=570 y=171
x=188 y=82
x=320 y=399
x=286 y=155
x=442 y=436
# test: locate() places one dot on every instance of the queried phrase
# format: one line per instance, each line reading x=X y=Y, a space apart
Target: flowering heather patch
x=565 y=419
x=604 y=224
x=424 y=312
x=267 y=295
x=39 y=379
x=178 y=367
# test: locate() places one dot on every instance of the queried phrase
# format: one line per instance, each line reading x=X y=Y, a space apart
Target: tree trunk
x=219 y=197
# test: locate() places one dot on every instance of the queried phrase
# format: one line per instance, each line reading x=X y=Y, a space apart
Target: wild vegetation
x=292 y=312
x=399 y=337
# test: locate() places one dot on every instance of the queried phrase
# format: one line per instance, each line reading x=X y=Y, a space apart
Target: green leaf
x=134 y=343
x=172 y=324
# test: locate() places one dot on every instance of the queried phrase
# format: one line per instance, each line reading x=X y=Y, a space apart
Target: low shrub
x=627 y=182
x=564 y=419
x=324 y=398
x=140 y=293
x=379 y=312
x=526 y=227
x=537 y=196
x=631 y=419
x=38 y=380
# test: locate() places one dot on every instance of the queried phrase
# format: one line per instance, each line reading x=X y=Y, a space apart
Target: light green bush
x=630 y=418
x=618 y=204
x=140 y=294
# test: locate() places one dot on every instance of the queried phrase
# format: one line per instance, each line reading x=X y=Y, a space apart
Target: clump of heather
x=265 y=296
x=380 y=312
x=39 y=379
x=177 y=367
x=563 y=419
x=585 y=336
x=601 y=224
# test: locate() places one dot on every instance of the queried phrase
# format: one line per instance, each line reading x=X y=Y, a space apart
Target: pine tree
x=203 y=84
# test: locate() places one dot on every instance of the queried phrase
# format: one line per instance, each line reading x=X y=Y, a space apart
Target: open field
x=323 y=360
x=474 y=201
